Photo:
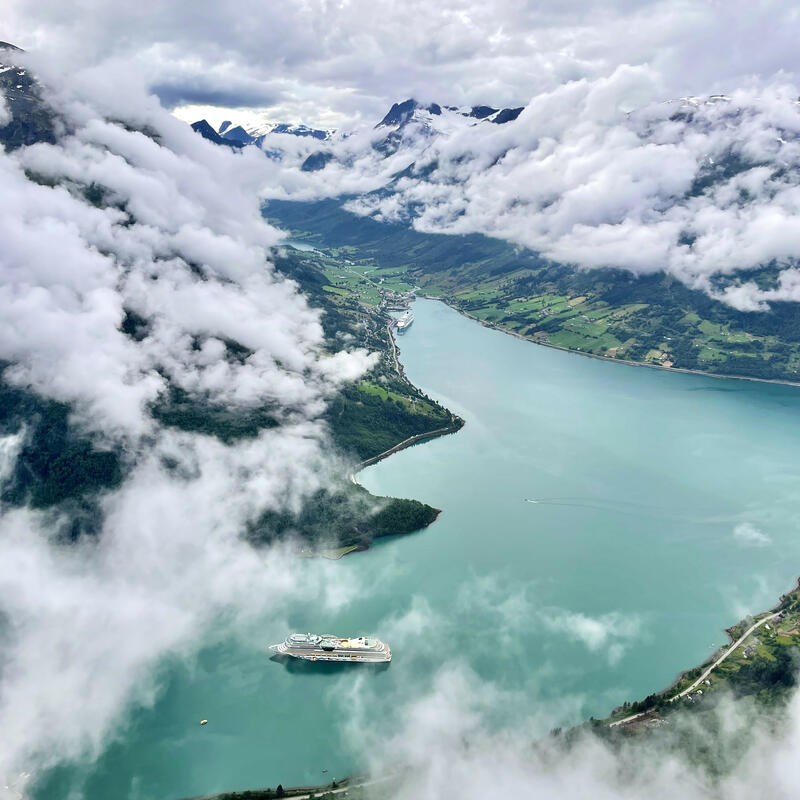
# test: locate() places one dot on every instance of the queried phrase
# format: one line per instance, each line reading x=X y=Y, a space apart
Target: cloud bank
x=135 y=262
x=177 y=241
x=169 y=230
x=574 y=178
x=325 y=63
x=598 y=174
x=448 y=746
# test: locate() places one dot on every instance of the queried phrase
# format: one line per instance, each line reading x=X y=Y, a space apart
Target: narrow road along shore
x=738 y=643
x=626 y=362
x=397 y=366
x=419 y=437
x=733 y=647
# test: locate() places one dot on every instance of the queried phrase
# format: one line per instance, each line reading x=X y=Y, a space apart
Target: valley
x=219 y=428
x=652 y=320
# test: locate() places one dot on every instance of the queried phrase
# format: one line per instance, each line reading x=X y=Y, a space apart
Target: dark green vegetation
x=348 y=515
x=56 y=463
x=366 y=419
x=652 y=319
x=375 y=414
x=184 y=412
x=59 y=465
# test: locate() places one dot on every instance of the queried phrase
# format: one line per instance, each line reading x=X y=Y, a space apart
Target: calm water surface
x=666 y=507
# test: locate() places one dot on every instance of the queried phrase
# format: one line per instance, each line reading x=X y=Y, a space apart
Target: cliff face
x=31 y=119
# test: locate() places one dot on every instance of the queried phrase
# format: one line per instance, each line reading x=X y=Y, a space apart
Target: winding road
x=711 y=668
x=733 y=647
x=397 y=366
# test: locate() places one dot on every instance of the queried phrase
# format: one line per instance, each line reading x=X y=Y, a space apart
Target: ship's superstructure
x=404 y=323
x=313 y=647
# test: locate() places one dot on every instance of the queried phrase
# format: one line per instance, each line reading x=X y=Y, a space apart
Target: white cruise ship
x=404 y=323
x=312 y=647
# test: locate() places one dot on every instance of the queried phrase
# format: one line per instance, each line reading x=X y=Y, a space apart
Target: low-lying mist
x=450 y=744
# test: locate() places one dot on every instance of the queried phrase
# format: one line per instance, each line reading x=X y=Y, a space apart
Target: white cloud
x=177 y=239
x=610 y=634
x=328 y=63
x=5 y=112
x=574 y=177
x=451 y=744
x=10 y=447
x=92 y=621
x=747 y=534
x=701 y=189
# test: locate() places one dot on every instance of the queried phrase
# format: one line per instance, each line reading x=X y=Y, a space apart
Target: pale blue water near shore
x=667 y=506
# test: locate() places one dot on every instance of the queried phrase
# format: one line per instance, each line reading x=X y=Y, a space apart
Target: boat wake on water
x=628 y=508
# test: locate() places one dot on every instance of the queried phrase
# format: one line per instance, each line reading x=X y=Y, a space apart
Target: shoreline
x=729 y=632
x=457 y=423
x=705 y=668
x=761 y=617
x=623 y=361
x=669 y=693
x=721 y=652
x=454 y=427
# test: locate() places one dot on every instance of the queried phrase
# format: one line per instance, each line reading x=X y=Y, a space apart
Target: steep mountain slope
x=703 y=189
x=59 y=462
x=30 y=120
x=239 y=136
x=203 y=127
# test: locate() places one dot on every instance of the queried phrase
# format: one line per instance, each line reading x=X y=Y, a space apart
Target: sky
x=331 y=63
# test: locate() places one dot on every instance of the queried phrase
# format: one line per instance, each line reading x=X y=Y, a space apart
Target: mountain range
x=238 y=136
x=664 y=235
x=400 y=116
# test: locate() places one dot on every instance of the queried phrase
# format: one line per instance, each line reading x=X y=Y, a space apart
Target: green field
x=652 y=319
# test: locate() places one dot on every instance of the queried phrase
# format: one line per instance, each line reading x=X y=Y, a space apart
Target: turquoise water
x=625 y=570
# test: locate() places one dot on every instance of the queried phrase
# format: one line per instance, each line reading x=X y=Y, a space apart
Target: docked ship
x=404 y=323
x=312 y=647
